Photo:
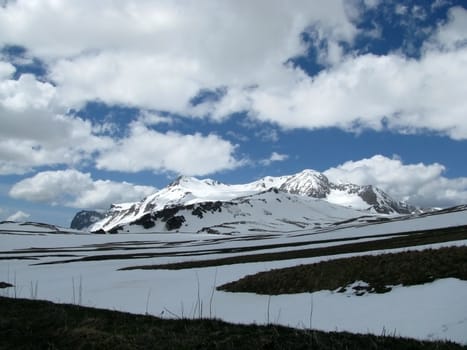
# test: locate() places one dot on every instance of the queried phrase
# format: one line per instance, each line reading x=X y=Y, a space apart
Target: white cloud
x=147 y=149
x=452 y=34
x=141 y=80
x=152 y=56
x=274 y=157
x=419 y=184
x=104 y=192
x=371 y=91
x=372 y=3
x=150 y=118
x=6 y=70
x=25 y=93
x=18 y=216
x=228 y=30
x=54 y=187
x=158 y=55
x=35 y=133
x=76 y=189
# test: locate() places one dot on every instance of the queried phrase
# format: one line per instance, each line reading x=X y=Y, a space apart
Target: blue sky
x=106 y=102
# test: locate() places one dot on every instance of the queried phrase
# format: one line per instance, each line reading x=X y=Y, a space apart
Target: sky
x=107 y=101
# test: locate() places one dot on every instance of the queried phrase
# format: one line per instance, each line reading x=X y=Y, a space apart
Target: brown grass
x=32 y=324
x=379 y=271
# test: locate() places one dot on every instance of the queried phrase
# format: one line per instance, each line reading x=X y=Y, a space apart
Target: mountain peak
x=309 y=183
x=187 y=181
x=182 y=179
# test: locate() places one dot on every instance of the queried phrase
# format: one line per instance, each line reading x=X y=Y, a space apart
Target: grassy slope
x=379 y=271
x=30 y=324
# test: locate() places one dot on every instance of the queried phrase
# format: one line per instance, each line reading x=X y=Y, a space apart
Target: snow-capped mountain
x=187 y=203
x=314 y=184
x=269 y=211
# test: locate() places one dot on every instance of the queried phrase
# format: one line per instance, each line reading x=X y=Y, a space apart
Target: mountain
x=301 y=200
x=84 y=219
x=314 y=184
x=268 y=211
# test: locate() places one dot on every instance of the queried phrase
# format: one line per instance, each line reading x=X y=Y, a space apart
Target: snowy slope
x=188 y=191
x=269 y=211
x=184 y=191
x=436 y=310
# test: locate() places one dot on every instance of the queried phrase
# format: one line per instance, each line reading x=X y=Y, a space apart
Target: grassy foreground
x=378 y=271
x=32 y=324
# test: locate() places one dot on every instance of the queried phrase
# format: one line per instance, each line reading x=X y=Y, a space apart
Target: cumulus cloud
x=419 y=184
x=147 y=149
x=76 y=189
x=26 y=93
x=18 y=216
x=35 y=133
x=159 y=55
x=452 y=34
x=274 y=157
x=184 y=29
x=140 y=80
x=6 y=70
x=370 y=91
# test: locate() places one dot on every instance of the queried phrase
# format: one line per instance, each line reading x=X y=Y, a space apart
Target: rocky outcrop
x=85 y=219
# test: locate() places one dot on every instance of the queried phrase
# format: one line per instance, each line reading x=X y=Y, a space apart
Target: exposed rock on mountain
x=86 y=218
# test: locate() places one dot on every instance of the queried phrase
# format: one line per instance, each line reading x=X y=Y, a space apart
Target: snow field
x=435 y=310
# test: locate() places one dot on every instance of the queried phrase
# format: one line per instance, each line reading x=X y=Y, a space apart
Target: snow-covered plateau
x=73 y=267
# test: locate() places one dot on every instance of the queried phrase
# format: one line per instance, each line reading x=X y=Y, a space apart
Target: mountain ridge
x=185 y=193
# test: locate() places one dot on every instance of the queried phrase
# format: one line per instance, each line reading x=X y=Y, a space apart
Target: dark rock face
x=175 y=222
x=199 y=209
x=386 y=205
x=146 y=221
x=85 y=218
x=170 y=217
x=165 y=215
x=368 y=195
